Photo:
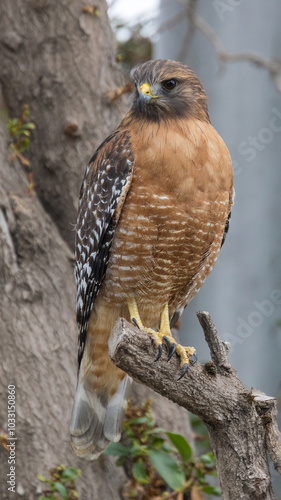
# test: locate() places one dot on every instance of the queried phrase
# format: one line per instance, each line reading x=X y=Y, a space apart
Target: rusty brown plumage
x=152 y=234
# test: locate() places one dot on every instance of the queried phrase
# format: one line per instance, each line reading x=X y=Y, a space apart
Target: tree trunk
x=60 y=61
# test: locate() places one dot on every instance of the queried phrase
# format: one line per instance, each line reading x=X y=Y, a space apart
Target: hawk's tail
x=97 y=418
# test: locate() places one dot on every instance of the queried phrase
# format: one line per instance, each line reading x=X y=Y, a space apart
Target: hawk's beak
x=145 y=95
x=145 y=90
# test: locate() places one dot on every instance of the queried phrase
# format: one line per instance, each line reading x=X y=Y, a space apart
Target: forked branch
x=242 y=424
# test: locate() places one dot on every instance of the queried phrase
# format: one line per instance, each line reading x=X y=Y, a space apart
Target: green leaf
x=42 y=478
x=157 y=442
x=168 y=448
x=117 y=450
x=23 y=145
x=212 y=490
x=168 y=469
x=156 y=430
x=29 y=125
x=71 y=473
x=61 y=489
x=137 y=449
x=208 y=459
x=120 y=461
x=139 y=472
x=182 y=445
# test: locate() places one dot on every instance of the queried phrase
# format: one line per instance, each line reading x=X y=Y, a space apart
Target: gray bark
x=241 y=424
x=60 y=61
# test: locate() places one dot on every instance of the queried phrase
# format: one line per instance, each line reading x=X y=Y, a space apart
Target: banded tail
x=97 y=417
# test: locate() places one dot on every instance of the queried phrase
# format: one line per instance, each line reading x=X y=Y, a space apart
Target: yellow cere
x=145 y=89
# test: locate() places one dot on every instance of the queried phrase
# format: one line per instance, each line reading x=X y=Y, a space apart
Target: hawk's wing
x=179 y=311
x=103 y=192
x=226 y=228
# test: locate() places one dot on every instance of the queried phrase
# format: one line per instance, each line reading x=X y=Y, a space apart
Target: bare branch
x=267 y=409
x=170 y=23
x=133 y=351
x=273 y=66
x=214 y=393
x=218 y=349
x=190 y=13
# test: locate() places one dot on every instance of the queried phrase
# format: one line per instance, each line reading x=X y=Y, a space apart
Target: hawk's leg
x=164 y=335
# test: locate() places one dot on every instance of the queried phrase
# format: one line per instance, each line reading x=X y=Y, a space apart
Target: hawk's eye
x=169 y=84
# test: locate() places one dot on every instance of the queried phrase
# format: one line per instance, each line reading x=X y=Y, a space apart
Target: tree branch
x=273 y=66
x=188 y=11
x=240 y=434
x=218 y=349
x=267 y=409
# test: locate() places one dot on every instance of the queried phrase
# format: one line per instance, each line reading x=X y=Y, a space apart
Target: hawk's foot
x=164 y=336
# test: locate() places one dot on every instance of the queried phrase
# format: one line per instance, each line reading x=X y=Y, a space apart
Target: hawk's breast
x=171 y=227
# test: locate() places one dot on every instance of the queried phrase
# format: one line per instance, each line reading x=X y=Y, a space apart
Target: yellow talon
x=164 y=335
x=184 y=353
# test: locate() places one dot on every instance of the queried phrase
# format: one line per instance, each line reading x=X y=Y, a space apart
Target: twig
x=273 y=66
x=170 y=23
x=218 y=349
x=113 y=95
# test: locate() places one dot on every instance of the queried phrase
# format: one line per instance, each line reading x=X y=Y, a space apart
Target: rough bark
x=60 y=61
x=241 y=424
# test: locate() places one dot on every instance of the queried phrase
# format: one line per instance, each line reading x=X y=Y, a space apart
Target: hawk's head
x=168 y=89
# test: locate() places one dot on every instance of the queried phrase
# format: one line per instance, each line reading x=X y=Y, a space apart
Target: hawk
x=154 y=210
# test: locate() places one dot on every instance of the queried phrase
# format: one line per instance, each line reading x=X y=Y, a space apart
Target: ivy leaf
x=156 y=430
x=42 y=478
x=29 y=125
x=168 y=469
x=182 y=445
x=137 y=449
x=139 y=472
x=208 y=459
x=71 y=473
x=117 y=450
x=61 y=489
x=212 y=490
x=157 y=442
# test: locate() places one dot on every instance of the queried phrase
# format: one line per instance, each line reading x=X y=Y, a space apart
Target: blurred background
x=233 y=47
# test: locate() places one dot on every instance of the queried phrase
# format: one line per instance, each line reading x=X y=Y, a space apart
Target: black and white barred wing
x=103 y=192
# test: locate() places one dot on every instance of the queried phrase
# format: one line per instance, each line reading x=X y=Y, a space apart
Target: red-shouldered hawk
x=153 y=213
